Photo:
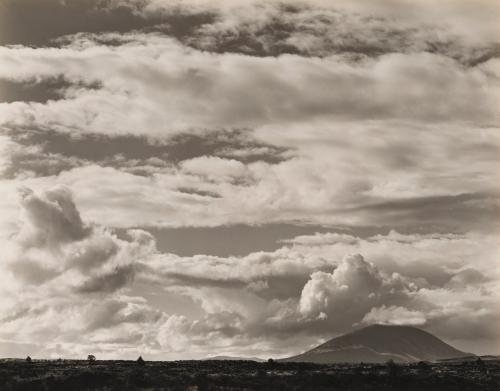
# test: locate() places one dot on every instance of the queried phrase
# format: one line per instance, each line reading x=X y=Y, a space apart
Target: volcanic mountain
x=378 y=344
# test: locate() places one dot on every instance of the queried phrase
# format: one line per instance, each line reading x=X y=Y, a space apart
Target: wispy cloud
x=373 y=123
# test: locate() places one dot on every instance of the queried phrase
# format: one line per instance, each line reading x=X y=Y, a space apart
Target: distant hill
x=232 y=358
x=380 y=343
x=470 y=358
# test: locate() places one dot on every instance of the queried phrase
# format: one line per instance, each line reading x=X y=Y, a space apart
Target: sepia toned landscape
x=340 y=364
x=249 y=195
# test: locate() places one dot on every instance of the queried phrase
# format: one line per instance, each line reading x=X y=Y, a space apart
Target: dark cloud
x=202 y=193
x=36 y=163
x=467 y=277
x=225 y=143
x=39 y=22
x=31 y=272
x=276 y=29
x=484 y=54
x=108 y=282
x=314 y=31
x=454 y=213
x=94 y=254
x=114 y=312
x=45 y=152
x=53 y=240
x=281 y=287
x=427 y=272
x=57 y=209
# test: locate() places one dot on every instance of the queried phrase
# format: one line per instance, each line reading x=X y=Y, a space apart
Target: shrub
x=392 y=368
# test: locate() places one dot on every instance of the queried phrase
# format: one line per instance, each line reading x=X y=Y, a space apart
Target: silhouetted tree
x=28 y=359
x=423 y=367
x=140 y=361
x=480 y=365
x=392 y=367
x=358 y=369
x=91 y=358
x=271 y=363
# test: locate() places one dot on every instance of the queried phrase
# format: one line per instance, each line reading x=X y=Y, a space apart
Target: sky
x=183 y=179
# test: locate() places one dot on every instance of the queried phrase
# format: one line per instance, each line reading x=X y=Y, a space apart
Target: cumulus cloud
x=54 y=245
x=341 y=298
x=64 y=279
x=326 y=297
x=354 y=114
x=51 y=220
x=81 y=285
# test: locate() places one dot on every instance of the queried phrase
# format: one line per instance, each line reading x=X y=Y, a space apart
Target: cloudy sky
x=188 y=178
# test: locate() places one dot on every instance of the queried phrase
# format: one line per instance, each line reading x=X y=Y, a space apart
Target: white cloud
x=154 y=86
x=71 y=283
x=215 y=168
x=389 y=139
x=385 y=129
x=339 y=176
x=394 y=315
x=322 y=239
x=56 y=254
x=341 y=298
x=474 y=22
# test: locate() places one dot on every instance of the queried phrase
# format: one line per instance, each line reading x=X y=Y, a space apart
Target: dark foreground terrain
x=72 y=375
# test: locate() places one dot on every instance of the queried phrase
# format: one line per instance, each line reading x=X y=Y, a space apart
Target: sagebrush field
x=75 y=375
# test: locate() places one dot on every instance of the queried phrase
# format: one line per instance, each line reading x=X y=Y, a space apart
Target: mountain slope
x=380 y=343
x=233 y=358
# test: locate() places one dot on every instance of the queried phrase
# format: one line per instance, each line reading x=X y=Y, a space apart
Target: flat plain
x=76 y=375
